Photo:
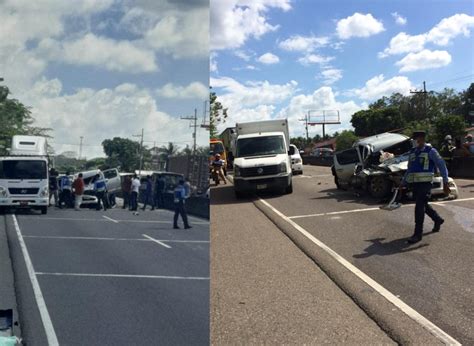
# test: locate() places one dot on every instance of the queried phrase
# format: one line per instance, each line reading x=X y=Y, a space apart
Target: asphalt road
x=112 y=278
x=435 y=277
x=264 y=290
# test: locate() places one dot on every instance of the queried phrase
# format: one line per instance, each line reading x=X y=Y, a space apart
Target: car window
x=109 y=174
x=347 y=156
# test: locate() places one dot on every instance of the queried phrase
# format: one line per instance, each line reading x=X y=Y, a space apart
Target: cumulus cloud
x=233 y=22
x=194 y=90
x=298 y=43
x=315 y=59
x=330 y=75
x=92 y=50
x=358 y=25
x=426 y=59
x=441 y=34
x=268 y=59
x=399 y=19
x=377 y=87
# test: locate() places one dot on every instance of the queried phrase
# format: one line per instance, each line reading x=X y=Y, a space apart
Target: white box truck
x=262 y=157
x=24 y=181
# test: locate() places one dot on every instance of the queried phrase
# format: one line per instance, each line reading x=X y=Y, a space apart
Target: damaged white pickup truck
x=377 y=164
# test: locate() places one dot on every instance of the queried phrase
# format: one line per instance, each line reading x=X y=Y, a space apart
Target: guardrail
x=317 y=161
x=462 y=167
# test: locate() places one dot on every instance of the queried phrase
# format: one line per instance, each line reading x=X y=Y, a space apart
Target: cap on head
x=469 y=135
x=218 y=155
x=419 y=134
x=448 y=138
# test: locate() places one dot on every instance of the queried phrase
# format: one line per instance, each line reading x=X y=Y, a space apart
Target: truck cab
x=262 y=157
x=24 y=177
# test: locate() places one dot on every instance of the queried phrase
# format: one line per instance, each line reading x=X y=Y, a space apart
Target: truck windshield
x=217 y=148
x=258 y=146
x=23 y=169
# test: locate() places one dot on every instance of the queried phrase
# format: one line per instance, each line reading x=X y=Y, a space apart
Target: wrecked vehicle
x=377 y=164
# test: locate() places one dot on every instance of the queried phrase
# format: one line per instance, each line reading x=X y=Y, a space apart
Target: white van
x=296 y=160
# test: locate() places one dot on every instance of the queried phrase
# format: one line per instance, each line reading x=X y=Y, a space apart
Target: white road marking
x=109 y=218
x=101 y=220
x=118 y=239
x=45 y=318
x=375 y=208
x=127 y=276
x=413 y=314
x=157 y=241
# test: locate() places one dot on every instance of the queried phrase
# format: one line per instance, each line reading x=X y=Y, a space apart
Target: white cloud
x=399 y=19
x=242 y=55
x=194 y=90
x=441 y=34
x=303 y=43
x=77 y=114
x=377 y=87
x=268 y=59
x=426 y=59
x=92 y=50
x=321 y=99
x=315 y=59
x=233 y=22
x=331 y=75
x=358 y=25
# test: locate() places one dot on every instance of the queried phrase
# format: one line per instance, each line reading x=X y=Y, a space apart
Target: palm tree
x=167 y=152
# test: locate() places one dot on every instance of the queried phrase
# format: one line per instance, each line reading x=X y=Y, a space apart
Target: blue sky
x=105 y=68
x=281 y=58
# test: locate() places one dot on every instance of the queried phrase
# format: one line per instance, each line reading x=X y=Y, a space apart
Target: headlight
x=44 y=192
x=283 y=167
x=297 y=160
x=3 y=192
x=236 y=171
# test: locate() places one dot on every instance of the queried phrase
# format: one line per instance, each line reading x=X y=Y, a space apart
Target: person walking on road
x=126 y=190
x=53 y=187
x=179 y=206
x=78 y=188
x=148 y=193
x=218 y=166
x=423 y=160
x=65 y=195
x=134 y=196
x=100 y=188
x=160 y=185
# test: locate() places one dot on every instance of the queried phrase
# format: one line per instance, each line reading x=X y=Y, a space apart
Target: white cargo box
x=29 y=146
x=264 y=126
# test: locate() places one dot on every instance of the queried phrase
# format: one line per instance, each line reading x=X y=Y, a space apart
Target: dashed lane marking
x=117 y=239
x=125 y=276
x=157 y=241
x=110 y=219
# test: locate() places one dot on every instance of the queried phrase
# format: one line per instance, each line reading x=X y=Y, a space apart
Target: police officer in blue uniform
x=422 y=162
x=100 y=188
x=179 y=208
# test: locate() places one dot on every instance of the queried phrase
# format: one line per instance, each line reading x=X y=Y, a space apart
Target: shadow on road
x=224 y=194
x=379 y=248
x=359 y=197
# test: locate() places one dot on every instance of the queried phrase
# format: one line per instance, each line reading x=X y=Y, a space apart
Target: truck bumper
x=24 y=202
x=263 y=184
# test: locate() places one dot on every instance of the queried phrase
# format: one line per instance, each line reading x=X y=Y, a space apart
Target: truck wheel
x=44 y=210
x=289 y=189
x=379 y=187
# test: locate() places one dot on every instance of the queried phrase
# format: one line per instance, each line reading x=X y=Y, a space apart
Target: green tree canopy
x=218 y=114
x=345 y=140
x=123 y=153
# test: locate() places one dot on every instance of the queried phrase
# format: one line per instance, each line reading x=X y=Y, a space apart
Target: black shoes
x=414 y=239
x=437 y=225
x=176 y=227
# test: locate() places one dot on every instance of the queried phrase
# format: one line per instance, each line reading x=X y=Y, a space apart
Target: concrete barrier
x=317 y=161
x=462 y=167
x=197 y=206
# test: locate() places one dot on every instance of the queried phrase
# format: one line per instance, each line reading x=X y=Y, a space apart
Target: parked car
x=322 y=152
x=365 y=165
x=296 y=161
x=112 y=180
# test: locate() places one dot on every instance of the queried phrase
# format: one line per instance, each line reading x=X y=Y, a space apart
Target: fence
x=195 y=168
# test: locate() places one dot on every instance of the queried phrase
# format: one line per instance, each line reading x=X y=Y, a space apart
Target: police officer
x=65 y=194
x=100 y=188
x=179 y=208
x=422 y=162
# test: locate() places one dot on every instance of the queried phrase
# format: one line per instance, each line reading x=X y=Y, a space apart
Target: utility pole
x=80 y=147
x=422 y=92
x=194 y=125
x=305 y=120
x=141 y=152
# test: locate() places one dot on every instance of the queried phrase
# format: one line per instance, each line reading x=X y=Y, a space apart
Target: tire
x=336 y=181
x=44 y=210
x=289 y=189
x=239 y=194
x=379 y=187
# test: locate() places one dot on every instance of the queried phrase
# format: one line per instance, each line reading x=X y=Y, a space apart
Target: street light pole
x=141 y=152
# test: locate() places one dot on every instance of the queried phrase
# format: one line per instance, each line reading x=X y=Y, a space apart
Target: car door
x=345 y=162
x=112 y=178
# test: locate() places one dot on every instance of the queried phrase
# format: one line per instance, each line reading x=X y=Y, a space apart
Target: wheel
x=379 y=187
x=44 y=210
x=289 y=188
x=336 y=181
x=239 y=194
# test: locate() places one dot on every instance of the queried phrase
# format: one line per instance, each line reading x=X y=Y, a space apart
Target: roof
x=381 y=141
x=325 y=143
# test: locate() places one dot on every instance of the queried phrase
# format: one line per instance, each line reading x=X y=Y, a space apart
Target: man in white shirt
x=134 y=196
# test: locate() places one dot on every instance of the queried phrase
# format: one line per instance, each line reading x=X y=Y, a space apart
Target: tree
x=345 y=140
x=15 y=119
x=218 y=114
x=122 y=153
x=168 y=151
x=453 y=125
x=373 y=121
x=300 y=142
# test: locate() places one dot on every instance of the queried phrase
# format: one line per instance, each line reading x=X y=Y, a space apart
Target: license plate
x=261 y=186
x=24 y=203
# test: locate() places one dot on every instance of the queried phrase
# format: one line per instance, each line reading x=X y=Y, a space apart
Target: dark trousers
x=126 y=199
x=147 y=200
x=101 y=199
x=134 y=201
x=180 y=209
x=65 y=197
x=421 y=193
x=159 y=201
